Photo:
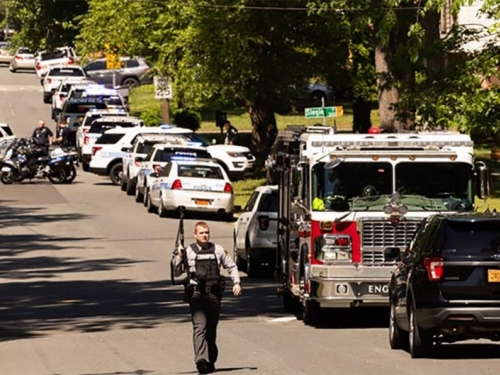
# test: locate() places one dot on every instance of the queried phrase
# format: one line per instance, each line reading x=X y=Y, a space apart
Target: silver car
x=134 y=72
x=24 y=59
x=5 y=55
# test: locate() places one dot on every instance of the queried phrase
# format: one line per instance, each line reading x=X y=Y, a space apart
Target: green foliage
x=186 y=118
x=152 y=116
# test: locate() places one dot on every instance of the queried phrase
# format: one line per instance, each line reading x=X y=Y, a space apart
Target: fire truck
x=347 y=200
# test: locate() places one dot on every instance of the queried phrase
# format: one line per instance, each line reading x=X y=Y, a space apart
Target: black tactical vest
x=207 y=268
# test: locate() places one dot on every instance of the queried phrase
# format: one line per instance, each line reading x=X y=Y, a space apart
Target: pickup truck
x=61 y=56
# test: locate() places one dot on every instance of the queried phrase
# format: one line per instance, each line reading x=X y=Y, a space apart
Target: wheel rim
x=118 y=175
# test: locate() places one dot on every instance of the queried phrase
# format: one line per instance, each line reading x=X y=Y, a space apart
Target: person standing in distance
x=204 y=259
x=231 y=133
x=64 y=136
x=43 y=137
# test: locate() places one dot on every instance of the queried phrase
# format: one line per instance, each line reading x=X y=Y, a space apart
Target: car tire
x=130 y=82
x=252 y=269
x=419 y=339
x=12 y=70
x=311 y=313
x=139 y=198
x=398 y=339
x=130 y=187
x=145 y=197
x=162 y=212
x=123 y=184
x=149 y=205
x=115 y=174
x=85 y=167
x=47 y=99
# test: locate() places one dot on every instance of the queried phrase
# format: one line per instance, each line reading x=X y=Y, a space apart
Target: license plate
x=494 y=276
x=201 y=202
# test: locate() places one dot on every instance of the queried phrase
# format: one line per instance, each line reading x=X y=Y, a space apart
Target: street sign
x=163 y=88
x=113 y=61
x=320 y=112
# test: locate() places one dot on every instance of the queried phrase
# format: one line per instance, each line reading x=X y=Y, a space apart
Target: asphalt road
x=84 y=290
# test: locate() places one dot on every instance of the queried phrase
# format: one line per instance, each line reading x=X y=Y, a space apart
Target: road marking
x=11 y=109
x=12 y=88
x=283 y=319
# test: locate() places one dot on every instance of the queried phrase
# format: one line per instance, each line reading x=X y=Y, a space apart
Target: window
x=24 y=50
x=109 y=139
x=96 y=65
x=53 y=55
x=131 y=63
x=469 y=237
x=83 y=107
x=144 y=147
x=251 y=202
x=66 y=72
x=102 y=126
x=7 y=130
x=269 y=202
x=199 y=171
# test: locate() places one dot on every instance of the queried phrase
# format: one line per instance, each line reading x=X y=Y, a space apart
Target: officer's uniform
x=231 y=135
x=65 y=133
x=42 y=136
x=206 y=293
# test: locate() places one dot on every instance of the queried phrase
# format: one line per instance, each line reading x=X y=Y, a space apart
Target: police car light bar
x=391 y=144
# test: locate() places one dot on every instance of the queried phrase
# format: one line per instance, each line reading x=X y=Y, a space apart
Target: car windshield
x=24 y=50
x=352 y=186
x=200 y=171
x=269 y=202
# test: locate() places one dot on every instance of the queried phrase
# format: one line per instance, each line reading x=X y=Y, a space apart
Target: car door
x=97 y=72
x=241 y=224
x=157 y=183
x=145 y=168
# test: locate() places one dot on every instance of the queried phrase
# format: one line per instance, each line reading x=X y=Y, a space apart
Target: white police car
x=140 y=149
x=109 y=150
x=156 y=159
x=196 y=184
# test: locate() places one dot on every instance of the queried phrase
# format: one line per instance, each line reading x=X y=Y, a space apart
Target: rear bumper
x=219 y=202
x=450 y=316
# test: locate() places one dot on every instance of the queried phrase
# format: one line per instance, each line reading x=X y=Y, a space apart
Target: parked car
x=6 y=138
x=446 y=284
x=24 y=59
x=255 y=232
x=5 y=54
x=134 y=72
x=61 y=56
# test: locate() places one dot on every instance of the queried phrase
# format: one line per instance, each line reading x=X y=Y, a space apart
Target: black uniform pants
x=205 y=311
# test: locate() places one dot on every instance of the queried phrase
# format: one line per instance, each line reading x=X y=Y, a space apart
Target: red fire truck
x=344 y=199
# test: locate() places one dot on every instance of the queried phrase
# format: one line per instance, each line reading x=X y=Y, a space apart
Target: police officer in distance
x=43 y=137
x=64 y=135
x=231 y=133
x=204 y=259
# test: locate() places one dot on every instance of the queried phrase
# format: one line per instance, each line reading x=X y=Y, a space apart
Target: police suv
x=156 y=159
x=109 y=150
x=98 y=127
x=140 y=149
x=193 y=183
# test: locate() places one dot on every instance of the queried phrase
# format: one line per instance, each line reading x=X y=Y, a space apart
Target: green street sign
x=320 y=112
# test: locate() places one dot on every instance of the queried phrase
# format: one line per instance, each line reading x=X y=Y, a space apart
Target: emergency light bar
x=392 y=144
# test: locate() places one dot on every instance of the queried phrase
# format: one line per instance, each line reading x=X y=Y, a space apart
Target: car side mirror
x=140 y=159
x=153 y=174
x=392 y=253
x=482 y=180
x=237 y=209
x=126 y=149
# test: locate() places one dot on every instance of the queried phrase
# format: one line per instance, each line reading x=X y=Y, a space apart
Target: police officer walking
x=204 y=292
x=43 y=137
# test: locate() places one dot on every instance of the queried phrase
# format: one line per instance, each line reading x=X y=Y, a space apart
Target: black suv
x=446 y=285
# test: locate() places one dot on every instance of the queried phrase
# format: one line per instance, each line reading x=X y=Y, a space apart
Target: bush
x=152 y=117
x=186 y=118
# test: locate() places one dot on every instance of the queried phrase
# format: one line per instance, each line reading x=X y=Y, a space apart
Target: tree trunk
x=261 y=115
x=387 y=94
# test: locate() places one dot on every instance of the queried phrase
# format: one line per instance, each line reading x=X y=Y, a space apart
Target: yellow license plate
x=494 y=276
x=202 y=202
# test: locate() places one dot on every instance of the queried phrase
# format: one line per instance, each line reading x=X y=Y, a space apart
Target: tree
x=45 y=23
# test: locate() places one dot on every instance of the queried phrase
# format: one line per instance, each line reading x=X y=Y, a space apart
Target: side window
x=96 y=65
x=149 y=155
x=131 y=63
x=269 y=202
x=252 y=201
x=166 y=170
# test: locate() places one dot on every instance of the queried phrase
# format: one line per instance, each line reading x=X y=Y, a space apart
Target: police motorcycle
x=24 y=160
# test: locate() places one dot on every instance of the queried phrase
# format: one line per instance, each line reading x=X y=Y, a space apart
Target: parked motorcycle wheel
x=70 y=174
x=8 y=178
x=58 y=177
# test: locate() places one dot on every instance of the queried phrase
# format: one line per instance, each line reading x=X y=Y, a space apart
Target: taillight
x=176 y=185
x=434 y=267
x=61 y=97
x=38 y=66
x=49 y=81
x=263 y=222
x=18 y=57
x=157 y=169
x=228 y=188
x=71 y=61
x=95 y=149
x=86 y=140
x=85 y=130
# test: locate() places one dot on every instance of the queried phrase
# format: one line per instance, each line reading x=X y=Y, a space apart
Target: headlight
x=333 y=248
x=236 y=154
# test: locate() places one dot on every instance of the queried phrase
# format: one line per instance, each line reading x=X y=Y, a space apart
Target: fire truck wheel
x=290 y=303
x=398 y=338
x=311 y=313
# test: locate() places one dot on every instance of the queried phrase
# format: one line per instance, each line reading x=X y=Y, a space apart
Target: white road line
x=11 y=109
x=282 y=319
